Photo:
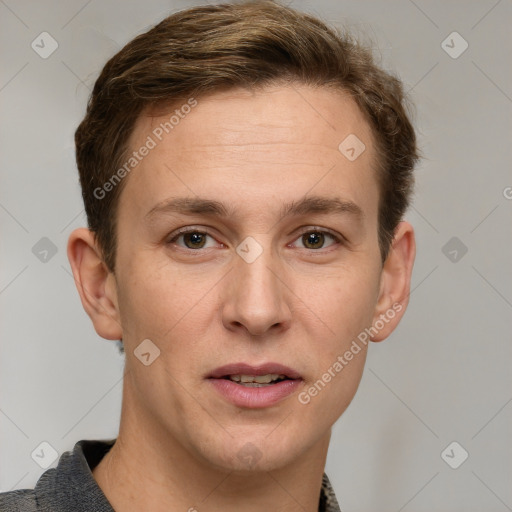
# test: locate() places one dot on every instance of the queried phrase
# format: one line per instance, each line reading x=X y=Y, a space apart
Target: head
x=244 y=192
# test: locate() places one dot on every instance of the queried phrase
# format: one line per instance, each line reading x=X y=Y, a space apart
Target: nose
x=257 y=297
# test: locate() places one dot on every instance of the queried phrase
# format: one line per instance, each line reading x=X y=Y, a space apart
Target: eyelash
x=183 y=231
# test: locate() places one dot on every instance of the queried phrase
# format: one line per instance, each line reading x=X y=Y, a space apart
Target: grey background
x=443 y=376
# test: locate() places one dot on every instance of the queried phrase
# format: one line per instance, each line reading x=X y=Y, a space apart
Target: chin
x=252 y=453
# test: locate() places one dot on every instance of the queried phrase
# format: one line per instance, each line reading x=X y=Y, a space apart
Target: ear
x=96 y=285
x=395 y=283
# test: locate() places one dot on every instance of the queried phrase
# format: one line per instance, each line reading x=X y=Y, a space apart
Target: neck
x=148 y=469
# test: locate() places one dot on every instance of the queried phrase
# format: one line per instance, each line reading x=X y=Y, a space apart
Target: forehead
x=284 y=138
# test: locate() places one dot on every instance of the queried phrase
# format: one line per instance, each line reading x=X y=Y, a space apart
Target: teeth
x=258 y=379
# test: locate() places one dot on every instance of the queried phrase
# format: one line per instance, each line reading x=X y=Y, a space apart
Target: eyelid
x=189 y=229
x=319 y=229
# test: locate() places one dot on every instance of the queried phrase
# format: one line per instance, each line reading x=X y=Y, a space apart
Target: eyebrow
x=202 y=206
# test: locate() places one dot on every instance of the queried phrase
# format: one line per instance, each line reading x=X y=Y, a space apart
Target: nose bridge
x=258 y=297
x=258 y=275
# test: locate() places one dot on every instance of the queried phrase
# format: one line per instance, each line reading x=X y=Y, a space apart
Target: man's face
x=297 y=293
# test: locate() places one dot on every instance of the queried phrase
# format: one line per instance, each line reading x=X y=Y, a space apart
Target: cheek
x=345 y=306
x=343 y=301
x=158 y=301
x=144 y=293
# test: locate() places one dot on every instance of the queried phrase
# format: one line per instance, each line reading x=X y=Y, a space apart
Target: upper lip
x=248 y=369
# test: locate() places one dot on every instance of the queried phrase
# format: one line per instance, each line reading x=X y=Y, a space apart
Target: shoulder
x=21 y=500
x=328 y=501
x=68 y=487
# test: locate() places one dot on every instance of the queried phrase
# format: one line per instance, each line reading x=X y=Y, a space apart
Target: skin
x=298 y=304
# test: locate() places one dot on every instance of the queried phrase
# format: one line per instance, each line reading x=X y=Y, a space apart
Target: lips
x=226 y=371
x=254 y=387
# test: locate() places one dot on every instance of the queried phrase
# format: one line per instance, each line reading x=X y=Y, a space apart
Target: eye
x=193 y=239
x=315 y=239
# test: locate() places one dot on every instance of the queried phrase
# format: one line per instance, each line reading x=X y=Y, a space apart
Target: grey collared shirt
x=71 y=487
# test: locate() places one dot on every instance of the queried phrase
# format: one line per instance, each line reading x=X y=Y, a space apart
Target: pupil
x=196 y=239
x=313 y=239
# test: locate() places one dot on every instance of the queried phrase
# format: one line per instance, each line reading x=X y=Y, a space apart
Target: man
x=244 y=171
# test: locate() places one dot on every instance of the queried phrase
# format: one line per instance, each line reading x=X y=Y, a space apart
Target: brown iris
x=313 y=240
x=196 y=239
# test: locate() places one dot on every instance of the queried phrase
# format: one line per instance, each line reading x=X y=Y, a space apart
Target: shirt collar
x=71 y=485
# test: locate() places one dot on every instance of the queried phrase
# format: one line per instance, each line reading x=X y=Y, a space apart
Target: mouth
x=255 y=386
x=257 y=381
x=253 y=376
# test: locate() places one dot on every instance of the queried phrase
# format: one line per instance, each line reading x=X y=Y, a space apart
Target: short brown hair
x=216 y=47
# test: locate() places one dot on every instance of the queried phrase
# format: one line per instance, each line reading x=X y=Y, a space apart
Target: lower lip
x=255 y=397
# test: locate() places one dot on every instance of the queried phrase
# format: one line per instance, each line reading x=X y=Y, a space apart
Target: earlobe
x=95 y=284
x=395 y=283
